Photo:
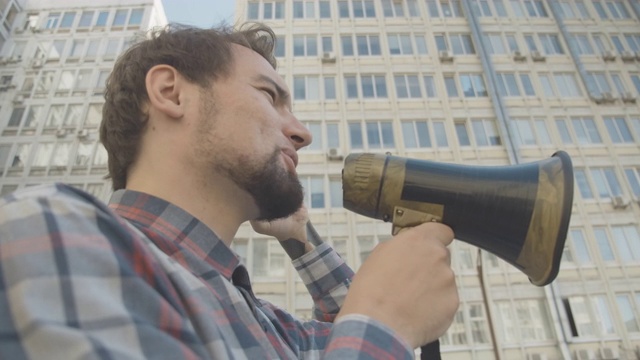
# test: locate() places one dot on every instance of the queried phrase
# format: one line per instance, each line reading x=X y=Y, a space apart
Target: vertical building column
x=496 y=99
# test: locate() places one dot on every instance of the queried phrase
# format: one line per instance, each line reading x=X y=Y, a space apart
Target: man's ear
x=163 y=84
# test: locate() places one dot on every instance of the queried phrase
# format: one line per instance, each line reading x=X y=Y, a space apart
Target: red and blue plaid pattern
x=141 y=279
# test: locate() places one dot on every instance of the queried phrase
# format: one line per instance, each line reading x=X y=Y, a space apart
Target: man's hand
x=290 y=231
x=407 y=283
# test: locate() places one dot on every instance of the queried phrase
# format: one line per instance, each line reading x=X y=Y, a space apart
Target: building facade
x=55 y=58
x=477 y=82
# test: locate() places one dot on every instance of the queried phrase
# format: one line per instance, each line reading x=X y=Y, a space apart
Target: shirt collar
x=180 y=235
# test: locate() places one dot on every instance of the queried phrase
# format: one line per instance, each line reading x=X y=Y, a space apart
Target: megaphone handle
x=431 y=351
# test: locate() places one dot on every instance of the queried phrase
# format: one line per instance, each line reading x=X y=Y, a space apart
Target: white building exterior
x=465 y=81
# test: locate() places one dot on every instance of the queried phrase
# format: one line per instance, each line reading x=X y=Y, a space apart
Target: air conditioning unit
x=628 y=97
x=445 y=56
x=19 y=99
x=584 y=354
x=608 y=97
x=36 y=63
x=61 y=133
x=519 y=56
x=335 y=154
x=628 y=56
x=83 y=133
x=15 y=59
x=328 y=57
x=608 y=56
x=638 y=55
x=619 y=202
x=537 y=56
x=34 y=29
x=536 y=356
x=609 y=354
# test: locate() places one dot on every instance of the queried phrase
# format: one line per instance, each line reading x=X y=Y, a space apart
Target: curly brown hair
x=200 y=55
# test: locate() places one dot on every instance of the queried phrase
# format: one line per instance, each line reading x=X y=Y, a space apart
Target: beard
x=276 y=191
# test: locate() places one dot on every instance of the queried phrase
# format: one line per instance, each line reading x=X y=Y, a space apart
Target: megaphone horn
x=519 y=213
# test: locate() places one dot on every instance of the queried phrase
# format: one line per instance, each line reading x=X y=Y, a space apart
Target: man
x=201 y=138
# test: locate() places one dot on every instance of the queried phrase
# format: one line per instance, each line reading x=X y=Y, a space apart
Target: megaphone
x=520 y=213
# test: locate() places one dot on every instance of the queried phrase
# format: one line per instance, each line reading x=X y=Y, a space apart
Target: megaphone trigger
x=405 y=218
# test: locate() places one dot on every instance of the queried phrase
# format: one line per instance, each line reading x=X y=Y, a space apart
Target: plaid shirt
x=144 y=279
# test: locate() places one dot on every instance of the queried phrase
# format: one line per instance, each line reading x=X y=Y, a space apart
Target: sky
x=200 y=13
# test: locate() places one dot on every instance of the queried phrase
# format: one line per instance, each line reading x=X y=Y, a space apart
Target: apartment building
x=477 y=82
x=54 y=59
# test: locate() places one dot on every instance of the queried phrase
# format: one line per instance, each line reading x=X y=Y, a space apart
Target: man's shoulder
x=38 y=210
x=57 y=194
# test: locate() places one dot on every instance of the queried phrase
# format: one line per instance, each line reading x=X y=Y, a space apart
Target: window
x=279 y=50
x=459 y=44
x=599 y=79
x=565 y=85
x=524 y=320
x=314 y=191
x=450 y=84
x=52 y=20
x=305 y=45
x=85 y=19
x=328 y=139
x=325 y=9
x=618 y=130
x=253 y=9
x=583 y=184
x=379 y=135
x=400 y=44
x=485 y=132
x=327 y=44
x=531 y=132
x=481 y=8
x=368 y=45
x=421 y=134
x=530 y=8
x=268 y=259
x=551 y=44
x=407 y=86
x=371 y=86
x=615 y=9
x=94 y=115
x=633 y=177
x=42 y=154
x=16 y=117
x=629 y=316
x=120 y=18
x=584 y=128
x=358 y=8
x=627 y=242
x=392 y=8
x=272 y=10
x=606 y=182
x=34 y=116
x=329 y=88
x=580 y=249
x=61 y=153
x=136 y=17
x=335 y=189
x=77 y=48
x=604 y=245
x=305 y=88
x=429 y=86
x=472 y=85
x=303 y=9
x=469 y=326
x=67 y=20
x=582 y=44
x=589 y=317
x=495 y=43
x=102 y=18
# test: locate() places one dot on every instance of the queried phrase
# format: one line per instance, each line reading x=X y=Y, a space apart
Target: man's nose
x=299 y=135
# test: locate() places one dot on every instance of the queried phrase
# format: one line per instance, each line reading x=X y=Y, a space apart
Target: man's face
x=247 y=134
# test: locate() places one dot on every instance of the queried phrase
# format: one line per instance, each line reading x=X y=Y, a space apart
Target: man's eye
x=271 y=94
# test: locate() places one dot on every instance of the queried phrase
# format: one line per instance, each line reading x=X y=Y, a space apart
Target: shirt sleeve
x=327 y=277
x=75 y=283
